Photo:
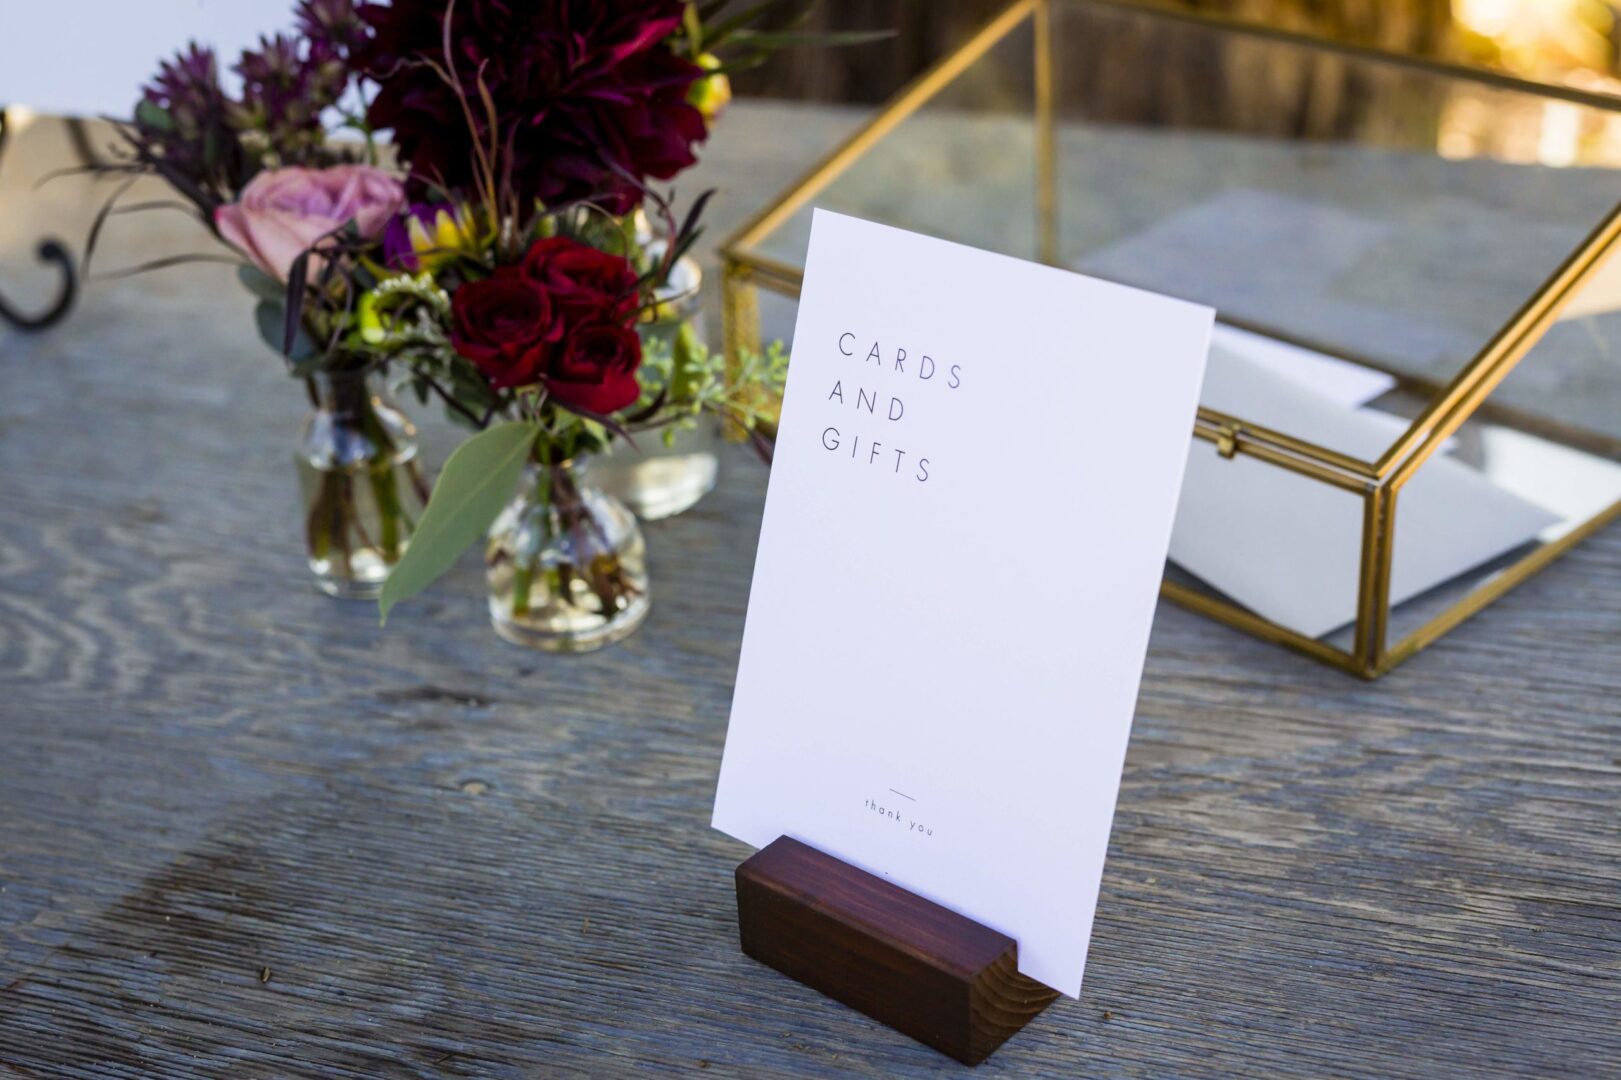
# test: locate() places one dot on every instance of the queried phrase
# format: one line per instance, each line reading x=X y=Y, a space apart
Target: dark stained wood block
x=907 y=962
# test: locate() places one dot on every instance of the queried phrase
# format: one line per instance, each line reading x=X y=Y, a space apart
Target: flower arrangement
x=489 y=261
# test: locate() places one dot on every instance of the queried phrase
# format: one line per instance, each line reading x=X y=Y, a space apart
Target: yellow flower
x=710 y=93
x=427 y=236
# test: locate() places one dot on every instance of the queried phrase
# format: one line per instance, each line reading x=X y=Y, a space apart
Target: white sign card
x=976 y=472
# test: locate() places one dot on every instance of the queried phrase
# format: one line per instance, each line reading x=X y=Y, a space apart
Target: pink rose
x=282 y=212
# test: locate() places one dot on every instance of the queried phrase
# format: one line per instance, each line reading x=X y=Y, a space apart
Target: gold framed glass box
x=1414 y=396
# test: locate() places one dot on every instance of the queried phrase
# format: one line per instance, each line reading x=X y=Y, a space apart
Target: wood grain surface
x=243 y=830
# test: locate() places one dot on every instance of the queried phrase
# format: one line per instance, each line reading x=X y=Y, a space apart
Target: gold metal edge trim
x=1046 y=138
x=774 y=274
x=1446 y=412
x=1227 y=612
x=903 y=105
x=1373 y=579
x=1507 y=579
x=1359 y=474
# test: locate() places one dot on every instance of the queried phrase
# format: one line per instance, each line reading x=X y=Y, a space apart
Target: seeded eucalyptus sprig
x=683 y=380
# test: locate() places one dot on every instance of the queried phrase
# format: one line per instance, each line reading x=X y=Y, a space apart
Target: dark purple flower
x=285 y=89
x=332 y=27
x=188 y=87
x=589 y=96
x=182 y=120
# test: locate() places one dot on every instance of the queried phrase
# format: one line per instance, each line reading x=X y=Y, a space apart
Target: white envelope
x=1288 y=547
x=1326 y=376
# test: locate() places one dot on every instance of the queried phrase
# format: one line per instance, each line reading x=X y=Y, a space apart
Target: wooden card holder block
x=922 y=969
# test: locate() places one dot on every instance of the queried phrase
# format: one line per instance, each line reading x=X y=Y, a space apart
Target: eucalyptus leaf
x=269 y=316
x=476 y=483
x=305 y=367
x=261 y=284
x=738 y=23
x=151 y=115
x=767 y=39
x=458 y=418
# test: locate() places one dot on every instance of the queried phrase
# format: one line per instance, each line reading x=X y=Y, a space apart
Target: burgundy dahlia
x=588 y=94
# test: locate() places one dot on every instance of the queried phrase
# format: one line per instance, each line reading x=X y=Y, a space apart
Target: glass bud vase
x=659 y=479
x=565 y=564
x=363 y=488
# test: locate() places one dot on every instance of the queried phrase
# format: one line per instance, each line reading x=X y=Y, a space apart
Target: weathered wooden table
x=244 y=829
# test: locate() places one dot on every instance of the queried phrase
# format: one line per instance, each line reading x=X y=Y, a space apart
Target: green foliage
x=682 y=380
x=271 y=318
x=152 y=115
x=261 y=284
x=400 y=314
x=744 y=42
x=477 y=481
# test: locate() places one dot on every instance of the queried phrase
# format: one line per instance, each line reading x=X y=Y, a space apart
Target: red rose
x=504 y=325
x=582 y=282
x=595 y=368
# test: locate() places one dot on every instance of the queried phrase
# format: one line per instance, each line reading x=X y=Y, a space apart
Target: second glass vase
x=660 y=478
x=363 y=489
x=565 y=564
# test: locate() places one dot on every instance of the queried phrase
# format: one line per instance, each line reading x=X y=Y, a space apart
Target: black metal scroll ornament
x=49 y=251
